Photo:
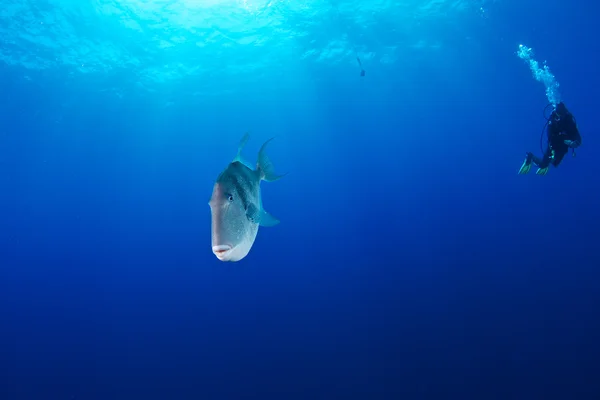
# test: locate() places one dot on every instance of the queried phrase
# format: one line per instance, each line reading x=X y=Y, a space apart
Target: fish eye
x=230 y=197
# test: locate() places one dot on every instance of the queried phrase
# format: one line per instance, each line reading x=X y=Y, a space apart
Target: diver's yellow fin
x=542 y=171
x=525 y=167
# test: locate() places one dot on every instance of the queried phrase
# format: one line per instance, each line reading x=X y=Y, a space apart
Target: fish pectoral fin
x=261 y=217
x=267 y=219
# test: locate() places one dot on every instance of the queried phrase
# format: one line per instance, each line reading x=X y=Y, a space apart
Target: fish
x=236 y=205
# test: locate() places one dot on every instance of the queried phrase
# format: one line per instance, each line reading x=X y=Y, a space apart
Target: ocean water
x=411 y=261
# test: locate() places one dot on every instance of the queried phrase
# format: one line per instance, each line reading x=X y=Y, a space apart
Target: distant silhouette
x=562 y=134
x=362 y=71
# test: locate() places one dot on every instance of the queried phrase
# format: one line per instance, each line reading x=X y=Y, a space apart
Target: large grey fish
x=236 y=205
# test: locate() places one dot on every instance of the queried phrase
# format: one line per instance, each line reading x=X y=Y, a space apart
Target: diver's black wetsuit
x=561 y=127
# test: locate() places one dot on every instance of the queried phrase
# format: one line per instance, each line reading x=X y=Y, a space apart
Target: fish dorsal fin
x=238 y=156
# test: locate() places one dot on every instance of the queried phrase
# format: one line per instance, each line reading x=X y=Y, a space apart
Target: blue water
x=411 y=261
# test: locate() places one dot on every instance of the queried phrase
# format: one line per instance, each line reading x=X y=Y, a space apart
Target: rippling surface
x=154 y=42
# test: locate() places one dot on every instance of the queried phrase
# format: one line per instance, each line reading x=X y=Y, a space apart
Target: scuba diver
x=562 y=135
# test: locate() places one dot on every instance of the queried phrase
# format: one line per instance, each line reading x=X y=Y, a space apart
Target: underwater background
x=411 y=260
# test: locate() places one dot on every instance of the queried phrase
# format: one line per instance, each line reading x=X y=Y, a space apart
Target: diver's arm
x=574 y=137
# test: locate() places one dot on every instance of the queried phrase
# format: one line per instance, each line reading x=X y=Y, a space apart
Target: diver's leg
x=558 y=157
x=541 y=163
x=544 y=163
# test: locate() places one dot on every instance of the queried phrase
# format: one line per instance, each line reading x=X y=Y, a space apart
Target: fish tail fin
x=264 y=166
x=238 y=156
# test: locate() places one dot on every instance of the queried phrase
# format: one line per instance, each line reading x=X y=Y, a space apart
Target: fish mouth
x=221 y=251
